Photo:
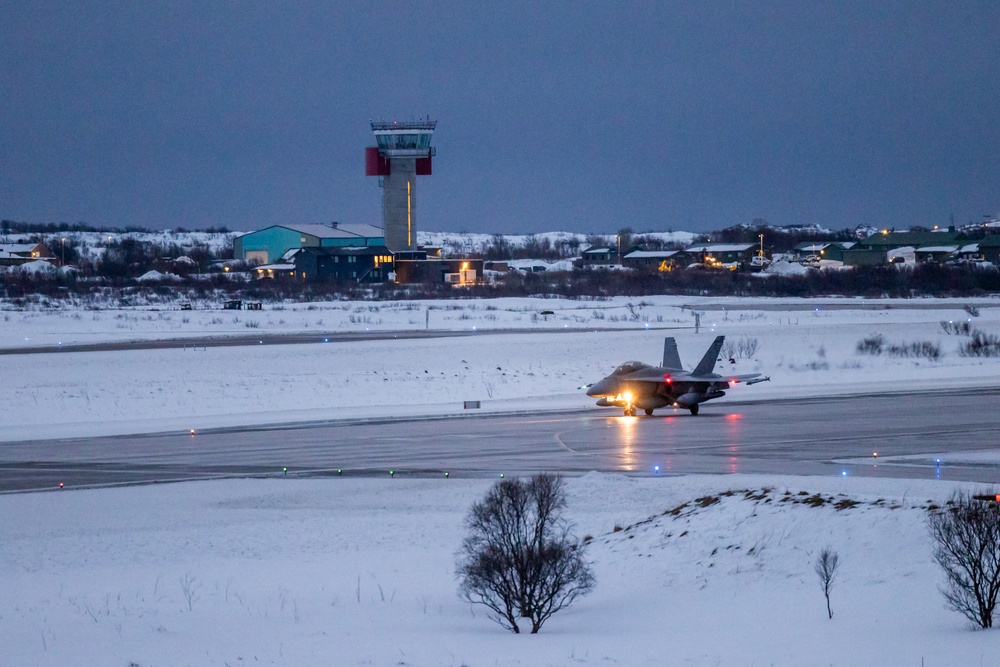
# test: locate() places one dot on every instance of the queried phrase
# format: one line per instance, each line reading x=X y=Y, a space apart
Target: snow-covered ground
x=360 y=571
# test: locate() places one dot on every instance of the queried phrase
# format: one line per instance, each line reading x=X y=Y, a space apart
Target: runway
x=823 y=436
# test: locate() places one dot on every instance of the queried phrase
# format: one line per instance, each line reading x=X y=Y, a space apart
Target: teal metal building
x=268 y=245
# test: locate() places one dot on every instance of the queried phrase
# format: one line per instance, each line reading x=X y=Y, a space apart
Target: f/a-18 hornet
x=637 y=385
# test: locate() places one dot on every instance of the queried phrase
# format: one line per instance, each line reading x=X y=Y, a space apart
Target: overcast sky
x=576 y=116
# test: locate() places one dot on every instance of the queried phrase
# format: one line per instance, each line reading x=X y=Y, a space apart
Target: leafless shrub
x=826 y=569
x=871 y=345
x=980 y=345
x=520 y=558
x=744 y=348
x=747 y=347
x=190 y=588
x=956 y=328
x=967 y=547
x=925 y=350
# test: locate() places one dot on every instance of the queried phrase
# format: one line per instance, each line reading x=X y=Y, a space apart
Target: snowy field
x=360 y=571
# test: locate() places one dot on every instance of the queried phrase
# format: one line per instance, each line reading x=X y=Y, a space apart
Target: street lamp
x=64 y=251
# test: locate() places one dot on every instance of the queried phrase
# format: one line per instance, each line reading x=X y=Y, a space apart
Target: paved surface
x=810 y=437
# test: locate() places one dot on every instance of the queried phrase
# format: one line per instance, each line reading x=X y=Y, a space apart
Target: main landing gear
x=631 y=411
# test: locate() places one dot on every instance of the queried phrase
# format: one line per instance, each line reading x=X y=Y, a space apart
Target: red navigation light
x=666 y=378
x=732 y=416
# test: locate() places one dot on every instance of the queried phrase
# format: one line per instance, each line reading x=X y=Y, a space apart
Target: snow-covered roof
x=17 y=248
x=338 y=232
x=275 y=267
x=597 y=249
x=972 y=247
x=938 y=248
x=720 y=247
x=652 y=254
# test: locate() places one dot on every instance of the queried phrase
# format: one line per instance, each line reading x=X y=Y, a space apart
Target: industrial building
x=270 y=244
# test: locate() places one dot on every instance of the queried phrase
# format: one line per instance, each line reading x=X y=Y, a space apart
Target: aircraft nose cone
x=602 y=388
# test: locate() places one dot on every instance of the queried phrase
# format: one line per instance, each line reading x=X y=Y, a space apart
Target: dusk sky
x=573 y=116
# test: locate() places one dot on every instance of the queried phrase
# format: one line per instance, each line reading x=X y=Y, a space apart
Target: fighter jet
x=637 y=385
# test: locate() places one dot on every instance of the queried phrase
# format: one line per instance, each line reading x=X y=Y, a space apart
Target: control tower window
x=408 y=141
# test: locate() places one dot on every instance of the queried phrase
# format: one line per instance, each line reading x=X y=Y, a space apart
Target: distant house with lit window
x=824 y=250
x=726 y=253
x=661 y=260
x=269 y=245
x=15 y=254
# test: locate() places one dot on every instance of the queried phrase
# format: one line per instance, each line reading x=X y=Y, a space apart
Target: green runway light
x=391 y=473
x=339 y=471
x=501 y=475
x=446 y=474
x=284 y=470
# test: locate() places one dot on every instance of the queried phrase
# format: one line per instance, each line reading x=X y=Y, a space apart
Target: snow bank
x=695 y=571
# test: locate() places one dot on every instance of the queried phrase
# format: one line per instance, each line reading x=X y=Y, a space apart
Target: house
x=970 y=253
x=722 y=253
x=282 y=271
x=271 y=243
x=599 y=255
x=833 y=250
x=885 y=241
x=989 y=248
x=15 y=254
x=456 y=272
x=361 y=264
x=937 y=254
x=661 y=260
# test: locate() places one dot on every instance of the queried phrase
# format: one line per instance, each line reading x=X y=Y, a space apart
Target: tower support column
x=399 y=213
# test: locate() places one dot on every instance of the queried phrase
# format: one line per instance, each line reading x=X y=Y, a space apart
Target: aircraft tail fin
x=707 y=363
x=671 y=359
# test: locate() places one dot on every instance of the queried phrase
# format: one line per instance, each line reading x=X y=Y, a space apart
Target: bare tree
x=826 y=568
x=967 y=537
x=520 y=558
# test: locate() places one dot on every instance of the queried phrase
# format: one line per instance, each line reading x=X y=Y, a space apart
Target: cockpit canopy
x=630 y=367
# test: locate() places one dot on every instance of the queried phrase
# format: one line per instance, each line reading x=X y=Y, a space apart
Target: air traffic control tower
x=404 y=152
